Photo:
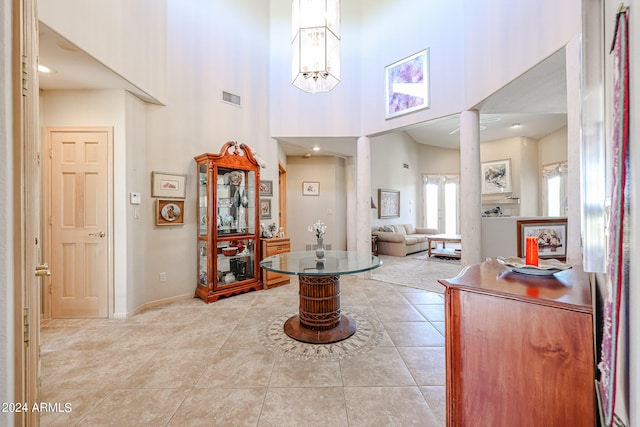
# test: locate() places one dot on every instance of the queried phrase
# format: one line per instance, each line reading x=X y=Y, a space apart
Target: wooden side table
x=374 y=245
x=274 y=246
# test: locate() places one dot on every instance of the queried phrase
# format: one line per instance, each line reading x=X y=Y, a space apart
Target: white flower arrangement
x=318 y=228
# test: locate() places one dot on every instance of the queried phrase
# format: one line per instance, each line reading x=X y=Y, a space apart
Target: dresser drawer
x=271 y=247
x=275 y=249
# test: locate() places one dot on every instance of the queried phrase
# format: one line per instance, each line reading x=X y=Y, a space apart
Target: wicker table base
x=319 y=320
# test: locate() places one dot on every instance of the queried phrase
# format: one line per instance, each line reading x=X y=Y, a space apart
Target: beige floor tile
x=96 y=370
x=210 y=337
x=135 y=408
x=238 y=368
x=79 y=401
x=398 y=313
x=439 y=326
x=436 y=397
x=389 y=407
x=383 y=294
x=189 y=363
x=414 y=334
x=426 y=364
x=423 y=297
x=169 y=369
x=220 y=407
x=433 y=312
x=290 y=372
x=309 y=406
x=141 y=337
x=383 y=367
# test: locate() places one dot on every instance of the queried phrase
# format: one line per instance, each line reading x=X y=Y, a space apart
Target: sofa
x=402 y=239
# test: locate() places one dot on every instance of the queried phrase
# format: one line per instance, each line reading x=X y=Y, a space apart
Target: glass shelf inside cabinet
x=235 y=261
x=202 y=200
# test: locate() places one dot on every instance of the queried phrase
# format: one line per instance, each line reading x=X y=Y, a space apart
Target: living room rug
x=417 y=271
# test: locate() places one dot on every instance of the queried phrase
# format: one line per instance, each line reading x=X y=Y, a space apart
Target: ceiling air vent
x=231 y=98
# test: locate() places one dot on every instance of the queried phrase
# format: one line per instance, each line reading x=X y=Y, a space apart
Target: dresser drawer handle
x=279 y=248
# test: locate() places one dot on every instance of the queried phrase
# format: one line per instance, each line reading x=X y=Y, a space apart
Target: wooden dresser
x=274 y=246
x=519 y=348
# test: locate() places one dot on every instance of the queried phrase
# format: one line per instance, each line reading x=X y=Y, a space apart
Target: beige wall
x=553 y=147
x=389 y=154
x=523 y=153
x=166 y=138
x=329 y=206
x=106 y=29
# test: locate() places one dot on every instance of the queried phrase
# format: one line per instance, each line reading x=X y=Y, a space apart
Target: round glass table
x=319 y=320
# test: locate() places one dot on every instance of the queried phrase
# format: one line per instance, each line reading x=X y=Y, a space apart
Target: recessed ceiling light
x=316 y=148
x=516 y=125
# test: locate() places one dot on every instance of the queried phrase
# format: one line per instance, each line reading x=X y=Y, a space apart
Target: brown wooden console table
x=519 y=348
x=320 y=320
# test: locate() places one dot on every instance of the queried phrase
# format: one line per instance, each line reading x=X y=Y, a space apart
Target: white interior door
x=79 y=220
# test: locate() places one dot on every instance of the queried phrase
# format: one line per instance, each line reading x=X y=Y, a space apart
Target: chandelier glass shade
x=315 y=46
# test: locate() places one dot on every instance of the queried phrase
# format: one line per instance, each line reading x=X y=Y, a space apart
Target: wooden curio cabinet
x=228 y=228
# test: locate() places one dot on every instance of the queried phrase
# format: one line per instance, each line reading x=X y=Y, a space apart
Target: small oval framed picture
x=169 y=212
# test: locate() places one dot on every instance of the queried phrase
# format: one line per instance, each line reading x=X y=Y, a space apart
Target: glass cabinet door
x=235 y=193
x=203 y=264
x=202 y=200
x=235 y=261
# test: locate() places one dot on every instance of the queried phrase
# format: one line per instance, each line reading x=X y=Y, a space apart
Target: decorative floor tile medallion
x=367 y=336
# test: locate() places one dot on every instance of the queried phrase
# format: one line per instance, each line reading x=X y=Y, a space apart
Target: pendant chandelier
x=315 y=48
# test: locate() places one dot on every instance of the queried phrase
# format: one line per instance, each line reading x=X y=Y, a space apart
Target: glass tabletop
x=335 y=262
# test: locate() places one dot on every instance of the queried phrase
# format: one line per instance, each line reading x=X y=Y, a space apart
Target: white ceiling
x=536 y=100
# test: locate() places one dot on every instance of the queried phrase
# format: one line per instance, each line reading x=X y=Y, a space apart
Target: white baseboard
x=151 y=304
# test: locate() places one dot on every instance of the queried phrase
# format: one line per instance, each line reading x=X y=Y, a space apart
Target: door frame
x=282 y=197
x=26 y=209
x=47 y=131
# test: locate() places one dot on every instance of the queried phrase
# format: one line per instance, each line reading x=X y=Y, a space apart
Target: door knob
x=100 y=234
x=43 y=270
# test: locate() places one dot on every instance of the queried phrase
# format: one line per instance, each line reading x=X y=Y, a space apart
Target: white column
x=470 y=188
x=363 y=195
x=352 y=212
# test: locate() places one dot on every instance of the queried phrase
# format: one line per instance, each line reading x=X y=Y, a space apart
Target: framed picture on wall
x=169 y=212
x=310 y=188
x=551 y=234
x=496 y=176
x=407 y=84
x=388 y=203
x=265 y=208
x=266 y=188
x=168 y=185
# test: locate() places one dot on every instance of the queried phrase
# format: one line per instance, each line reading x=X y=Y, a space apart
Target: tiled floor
x=193 y=364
